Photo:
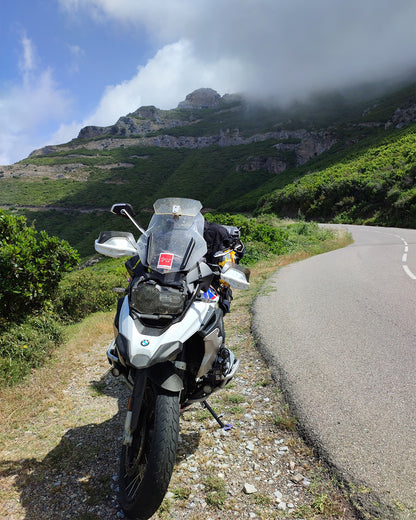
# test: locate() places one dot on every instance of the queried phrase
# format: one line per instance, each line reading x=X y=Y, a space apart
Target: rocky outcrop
x=142 y=122
x=290 y=148
x=402 y=117
x=201 y=98
x=90 y=132
x=296 y=148
x=149 y=119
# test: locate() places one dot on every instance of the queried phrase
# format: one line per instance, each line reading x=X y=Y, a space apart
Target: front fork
x=134 y=407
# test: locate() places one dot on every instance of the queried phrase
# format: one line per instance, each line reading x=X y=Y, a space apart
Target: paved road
x=339 y=330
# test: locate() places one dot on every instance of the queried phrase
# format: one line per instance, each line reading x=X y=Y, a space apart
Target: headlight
x=151 y=298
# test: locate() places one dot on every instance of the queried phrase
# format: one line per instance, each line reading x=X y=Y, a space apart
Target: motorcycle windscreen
x=173 y=243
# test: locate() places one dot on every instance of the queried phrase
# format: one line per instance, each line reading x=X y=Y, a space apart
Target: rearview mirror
x=117 y=209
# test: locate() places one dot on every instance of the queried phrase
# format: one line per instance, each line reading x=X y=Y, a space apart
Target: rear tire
x=146 y=466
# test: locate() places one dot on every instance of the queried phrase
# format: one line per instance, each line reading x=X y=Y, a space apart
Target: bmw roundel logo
x=145 y=343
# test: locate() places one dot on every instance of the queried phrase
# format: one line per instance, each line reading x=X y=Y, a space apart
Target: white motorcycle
x=169 y=339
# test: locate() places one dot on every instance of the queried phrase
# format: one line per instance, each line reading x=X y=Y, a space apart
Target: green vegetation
x=37 y=297
x=156 y=173
x=89 y=290
x=372 y=185
x=31 y=266
x=25 y=345
x=266 y=235
x=216 y=490
x=285 y=420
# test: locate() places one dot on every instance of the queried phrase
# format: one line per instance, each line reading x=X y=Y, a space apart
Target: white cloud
x=28 y=108
x=27 y=60
x=279 y=48
x=285 y=47
x=165 y=80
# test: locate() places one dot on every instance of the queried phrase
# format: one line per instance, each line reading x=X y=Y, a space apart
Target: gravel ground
x=64 y=463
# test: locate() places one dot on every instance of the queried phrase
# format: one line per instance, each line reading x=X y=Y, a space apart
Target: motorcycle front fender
x=165 y=376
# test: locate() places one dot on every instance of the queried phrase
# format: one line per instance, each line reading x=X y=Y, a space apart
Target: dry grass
x=43 y=399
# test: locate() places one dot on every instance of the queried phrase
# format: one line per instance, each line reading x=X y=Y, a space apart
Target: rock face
x=150 y=119
x=149 y=126
x=201 y=98
x=142 y=122
x=402 y=116
x=306 y=145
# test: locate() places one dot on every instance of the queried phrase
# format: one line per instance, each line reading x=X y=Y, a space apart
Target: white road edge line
x=404 y=258
x=409 y=272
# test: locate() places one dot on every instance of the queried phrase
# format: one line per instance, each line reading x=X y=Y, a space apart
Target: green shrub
x=84 y=292
x=31 y=266
x=25 y=346
x=266 y=235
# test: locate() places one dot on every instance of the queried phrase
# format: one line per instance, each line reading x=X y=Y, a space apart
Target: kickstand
x=225 y=427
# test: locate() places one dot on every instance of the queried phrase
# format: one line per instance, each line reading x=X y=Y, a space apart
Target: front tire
x=146 y=466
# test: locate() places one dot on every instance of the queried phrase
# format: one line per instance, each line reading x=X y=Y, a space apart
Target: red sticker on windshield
x=165 y=261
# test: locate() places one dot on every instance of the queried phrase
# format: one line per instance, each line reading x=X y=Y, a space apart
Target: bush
x=266 y=235
x=26 y=345
x=84 y=292
x=31 y=266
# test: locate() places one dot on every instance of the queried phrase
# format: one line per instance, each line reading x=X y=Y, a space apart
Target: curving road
x=339 y=330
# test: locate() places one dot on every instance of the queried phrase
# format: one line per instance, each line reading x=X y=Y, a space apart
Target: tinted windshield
x=174 y=240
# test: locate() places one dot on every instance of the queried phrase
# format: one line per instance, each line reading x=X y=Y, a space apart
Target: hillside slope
x=374 y=184
x=225 y=151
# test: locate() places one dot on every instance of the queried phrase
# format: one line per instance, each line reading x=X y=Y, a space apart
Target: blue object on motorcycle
x=211 y=294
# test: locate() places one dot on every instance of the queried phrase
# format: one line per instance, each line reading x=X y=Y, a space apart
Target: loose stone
x=249 y=489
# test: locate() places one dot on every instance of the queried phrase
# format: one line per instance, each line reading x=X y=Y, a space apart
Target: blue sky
x=69 y=63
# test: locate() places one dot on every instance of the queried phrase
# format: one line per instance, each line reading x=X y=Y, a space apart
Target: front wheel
x=146 y=466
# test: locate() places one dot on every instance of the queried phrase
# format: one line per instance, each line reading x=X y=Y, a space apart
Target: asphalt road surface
x=339 y=331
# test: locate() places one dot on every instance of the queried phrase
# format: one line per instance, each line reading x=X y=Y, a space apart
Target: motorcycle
x=169 y=339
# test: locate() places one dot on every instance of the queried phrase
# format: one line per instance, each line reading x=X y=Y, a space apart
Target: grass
x=25 y=404
x=286 y=421
x=181 y=493
x=261 y=500
x=263 y=383
x=216 y=492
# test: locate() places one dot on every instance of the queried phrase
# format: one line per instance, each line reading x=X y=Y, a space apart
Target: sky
x=66 y=64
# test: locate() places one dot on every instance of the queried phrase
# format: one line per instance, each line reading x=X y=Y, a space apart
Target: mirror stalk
x=127 y=214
